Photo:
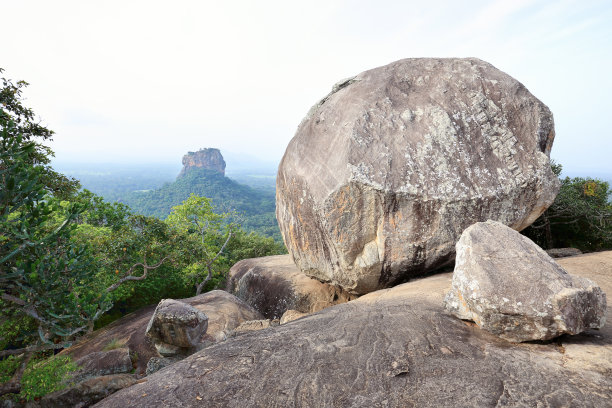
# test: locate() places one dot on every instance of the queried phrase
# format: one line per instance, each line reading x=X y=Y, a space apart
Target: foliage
x=42 y=376
x=580 y=217
x=197 y=218
x=255 y=207
x=40 y=267
x=23 y=122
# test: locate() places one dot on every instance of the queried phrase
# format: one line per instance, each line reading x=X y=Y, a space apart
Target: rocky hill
x=395 y=348
x=210 y=159
x=203 y=174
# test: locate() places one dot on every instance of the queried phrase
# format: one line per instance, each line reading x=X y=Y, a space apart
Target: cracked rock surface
x=391 y=348
x=386 y=171
x=511 y=287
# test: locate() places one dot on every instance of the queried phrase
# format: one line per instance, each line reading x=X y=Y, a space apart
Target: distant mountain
x=257 y=206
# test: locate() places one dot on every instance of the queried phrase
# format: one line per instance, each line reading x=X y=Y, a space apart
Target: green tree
x=196 y=216
x=45 y=274
x=24 y=123
x=581 y=216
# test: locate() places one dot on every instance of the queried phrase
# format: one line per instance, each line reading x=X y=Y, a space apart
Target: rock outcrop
x=176 y=323
x=210 y=159
x=225 y=312
x=102 y=363
x=391 y=348
x=386 y=171
x=509 y=286
x=273 y=285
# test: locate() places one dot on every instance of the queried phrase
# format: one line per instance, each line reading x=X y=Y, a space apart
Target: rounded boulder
x=385 y=172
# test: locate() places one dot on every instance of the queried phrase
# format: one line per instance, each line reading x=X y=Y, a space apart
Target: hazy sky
x=148 y=80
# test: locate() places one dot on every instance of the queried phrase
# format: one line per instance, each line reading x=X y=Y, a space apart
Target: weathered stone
x=101 y=363
x=386 y=171
x=253 y=325
x=86 y=393
x=563 y=252
x=291 y=315
x=177 y=323
x=157 y=363
x=209 y=159
x=273 y=284
x=509 y=286
x=391 y=348
x=224 y=310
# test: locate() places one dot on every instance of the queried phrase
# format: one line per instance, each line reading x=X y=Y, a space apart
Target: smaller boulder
x=274 y=284
x=177 y=324
x=510 y=287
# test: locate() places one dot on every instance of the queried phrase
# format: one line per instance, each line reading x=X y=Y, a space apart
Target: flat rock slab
x=224 y=310
x=391 y=348
x=273 y=285
x=386 y=171
x=511 y=287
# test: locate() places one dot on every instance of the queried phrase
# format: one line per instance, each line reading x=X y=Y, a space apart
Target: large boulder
x=225 y=312
x=509 y=286
x=386 y=171
x=273 y=285
x=391 y=348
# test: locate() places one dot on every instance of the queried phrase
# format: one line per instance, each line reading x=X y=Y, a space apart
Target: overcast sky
x=147 y=81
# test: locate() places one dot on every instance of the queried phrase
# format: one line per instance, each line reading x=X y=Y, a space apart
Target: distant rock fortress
x=209 y=158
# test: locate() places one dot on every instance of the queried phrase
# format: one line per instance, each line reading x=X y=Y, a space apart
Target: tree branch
x=129 y=277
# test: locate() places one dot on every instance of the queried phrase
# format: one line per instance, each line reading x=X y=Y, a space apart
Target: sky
x=147 y=81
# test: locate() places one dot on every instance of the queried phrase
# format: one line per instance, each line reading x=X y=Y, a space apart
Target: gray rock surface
x=391 y=348
x=255 y=325
x=101 y=363
x=385 y=172
x=273 y=285
x=177 y=323
x=224 y=310
x=563 y=252
x=509 y=286
x=157 y=363
x=291 y=315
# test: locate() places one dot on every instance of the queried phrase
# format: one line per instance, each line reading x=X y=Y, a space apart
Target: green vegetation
x=42 y=376
x=255 y=207
x=69 y=260
x=113 y=345
x=580 y=217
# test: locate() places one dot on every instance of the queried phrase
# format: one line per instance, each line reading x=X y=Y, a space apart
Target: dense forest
x=254 y=208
